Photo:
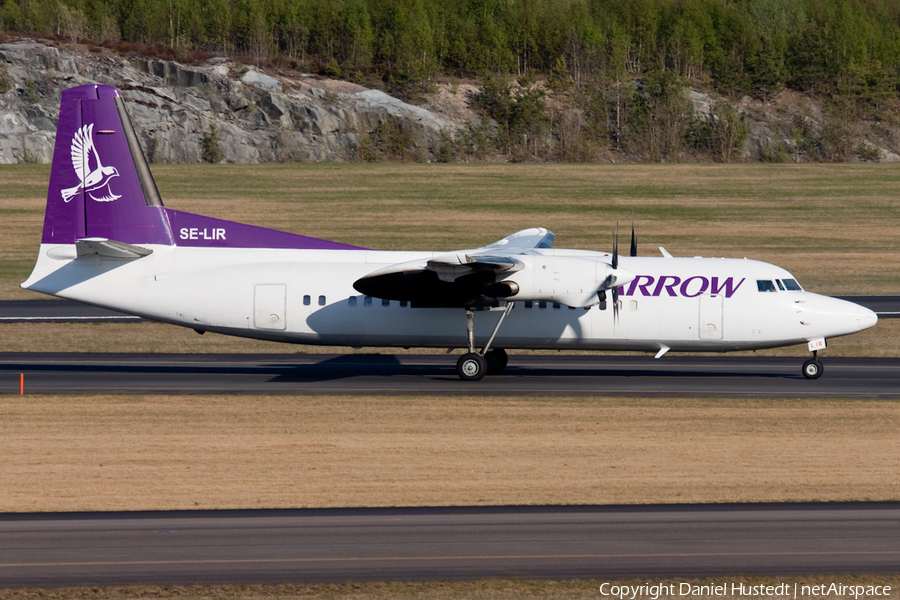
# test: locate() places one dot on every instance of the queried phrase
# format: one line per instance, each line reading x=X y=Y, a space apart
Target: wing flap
x=450 y=267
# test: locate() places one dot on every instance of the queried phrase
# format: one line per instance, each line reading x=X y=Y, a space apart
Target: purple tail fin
x=100 y=185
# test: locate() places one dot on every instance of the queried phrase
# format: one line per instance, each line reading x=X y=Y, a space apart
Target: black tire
x=812 y=369
x=471 y=367
x=497 y=360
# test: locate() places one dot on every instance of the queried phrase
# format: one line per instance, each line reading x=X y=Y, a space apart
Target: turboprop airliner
x=109 y=241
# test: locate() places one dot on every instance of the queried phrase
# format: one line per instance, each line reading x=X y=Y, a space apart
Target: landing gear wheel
x=812 y=369
x=497 y=360
x=471 y=367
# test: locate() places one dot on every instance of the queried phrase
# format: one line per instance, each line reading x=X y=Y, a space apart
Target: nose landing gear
x=813 y=369
x=473 y=365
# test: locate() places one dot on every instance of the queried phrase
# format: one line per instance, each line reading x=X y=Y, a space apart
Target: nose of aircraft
x=832 y=317
x=866 y=318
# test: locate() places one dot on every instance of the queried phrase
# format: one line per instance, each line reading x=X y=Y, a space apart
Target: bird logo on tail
x=94 y=178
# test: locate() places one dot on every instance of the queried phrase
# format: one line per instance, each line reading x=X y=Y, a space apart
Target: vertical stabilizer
x=100 y=185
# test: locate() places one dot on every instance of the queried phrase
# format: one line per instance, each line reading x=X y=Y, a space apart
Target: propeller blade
x=633 y=242
x=615 y=258
x=615 y=300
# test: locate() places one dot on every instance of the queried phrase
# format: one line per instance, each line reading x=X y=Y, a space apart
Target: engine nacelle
x=568 y=280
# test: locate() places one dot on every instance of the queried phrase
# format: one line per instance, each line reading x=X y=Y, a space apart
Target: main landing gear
x=473 y=366
x=813 y=369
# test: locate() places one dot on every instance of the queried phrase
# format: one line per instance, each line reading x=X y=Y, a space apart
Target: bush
x=6 y=82
x=448 y=147
x=209 y=146
x=720 y=134
x=661 y=117
x=520 y=114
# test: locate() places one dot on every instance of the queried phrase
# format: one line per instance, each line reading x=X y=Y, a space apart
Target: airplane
x=109 y=241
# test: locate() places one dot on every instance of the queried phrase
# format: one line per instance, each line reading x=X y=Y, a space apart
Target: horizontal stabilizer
x=109 y=249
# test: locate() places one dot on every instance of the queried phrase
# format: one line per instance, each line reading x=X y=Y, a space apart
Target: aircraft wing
x=455 y=279
x=496 y=258
x=527 y=239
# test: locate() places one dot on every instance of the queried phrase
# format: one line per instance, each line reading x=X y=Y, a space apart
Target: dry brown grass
x=882 y=340
x=491 y=589
x=164 y=452
x=834 y=226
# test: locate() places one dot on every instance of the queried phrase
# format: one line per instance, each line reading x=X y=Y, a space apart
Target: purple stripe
x=206 y=232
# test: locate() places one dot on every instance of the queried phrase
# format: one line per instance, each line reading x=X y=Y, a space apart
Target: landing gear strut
x=474 y=365
x=813 y=369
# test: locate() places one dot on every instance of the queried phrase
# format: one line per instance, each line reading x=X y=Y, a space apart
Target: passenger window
x=542 y=304
x=780 y=285
x=404 y=304
x=764 y=285
x=792 y=285
x=529 y=304
x=321 y=300
x=352 y=300
x=367 y=301
x=306 y=300
x=632 y=306
x=385 y=302
x=571 y=308
x=557 y=305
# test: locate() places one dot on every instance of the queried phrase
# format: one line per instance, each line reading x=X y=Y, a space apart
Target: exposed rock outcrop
x=224 y=111
x=250 y=116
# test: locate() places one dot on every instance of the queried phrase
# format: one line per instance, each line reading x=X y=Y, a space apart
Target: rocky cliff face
x=224 y=111
x=220 y=111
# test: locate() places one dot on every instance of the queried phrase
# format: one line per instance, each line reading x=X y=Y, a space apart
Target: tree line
x=739 y=46
x=616 y=69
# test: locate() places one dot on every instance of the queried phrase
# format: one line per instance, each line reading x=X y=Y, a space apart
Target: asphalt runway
x=446 y=543
x=535 y=375
x=59 y=311
x=339 y=545
x=68 y=311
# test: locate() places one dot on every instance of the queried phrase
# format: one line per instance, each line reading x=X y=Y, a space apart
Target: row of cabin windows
x=788 y=285
x=367 y=301
x=762 y=285
x=541 y=305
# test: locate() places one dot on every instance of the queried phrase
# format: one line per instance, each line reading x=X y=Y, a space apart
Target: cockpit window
x=780 y=285
x=792 y=285
x=765 y=286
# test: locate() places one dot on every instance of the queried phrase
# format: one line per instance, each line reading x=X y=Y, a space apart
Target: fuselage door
x=268 y=306
x=711 y=309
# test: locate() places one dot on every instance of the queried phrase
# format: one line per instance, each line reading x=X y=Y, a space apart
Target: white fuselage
x=307 y=297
